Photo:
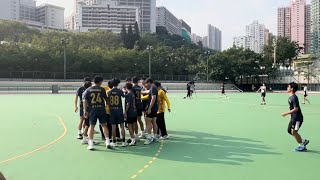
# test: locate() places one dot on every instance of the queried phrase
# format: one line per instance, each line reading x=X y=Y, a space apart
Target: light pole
x=274 y=53
x=208 y=53
x=64 y=43
x=149 y=48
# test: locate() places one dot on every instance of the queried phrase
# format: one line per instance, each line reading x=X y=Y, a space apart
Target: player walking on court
x=263 y=90
x=223 y=90
x=79 y=95
x=296 y=117
x=95 y=108
x=305 y=94
x=152 y=112
x=116 y=112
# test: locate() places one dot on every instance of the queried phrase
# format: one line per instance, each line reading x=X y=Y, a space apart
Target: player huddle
x=104 y=103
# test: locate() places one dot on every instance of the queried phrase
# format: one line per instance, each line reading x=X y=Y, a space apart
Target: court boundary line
x=146 y=166
x=42 y=147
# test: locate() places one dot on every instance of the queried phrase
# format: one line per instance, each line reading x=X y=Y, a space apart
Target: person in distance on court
x=95 y=108
x=78 y=96
x=116 y=111
x=162 y=101
x=263 y=90
x=131 y=113
x=223 y=91
x=188 y=90
x=305 y=94
x=296 y=119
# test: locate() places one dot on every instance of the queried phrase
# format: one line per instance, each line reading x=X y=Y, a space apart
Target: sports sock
x=79 y=132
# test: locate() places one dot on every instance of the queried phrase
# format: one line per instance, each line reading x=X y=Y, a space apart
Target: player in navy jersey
x=79 y=94
x=136 y=90
x=296 y=119
x=152 y=111
x=116 y=111
x=131 y=113
x=95 y=108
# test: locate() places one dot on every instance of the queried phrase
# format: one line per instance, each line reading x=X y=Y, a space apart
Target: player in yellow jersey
x=162 y=100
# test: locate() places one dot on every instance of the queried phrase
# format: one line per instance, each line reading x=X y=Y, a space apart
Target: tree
x=131 y=38
x=137 y=32
x=123 y=35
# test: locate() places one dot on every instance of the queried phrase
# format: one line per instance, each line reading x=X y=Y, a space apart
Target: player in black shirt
x=94 y=105
x=296 y=117
x=79 y=94
x=136 y=90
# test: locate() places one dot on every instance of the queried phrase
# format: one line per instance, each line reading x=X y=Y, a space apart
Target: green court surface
x=211 y=138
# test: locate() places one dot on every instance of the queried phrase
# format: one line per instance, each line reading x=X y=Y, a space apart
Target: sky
x=230 y=16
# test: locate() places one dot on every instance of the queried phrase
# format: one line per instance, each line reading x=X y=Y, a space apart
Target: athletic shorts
x=305 y=94
x=139 y=112
x=81 y=112
x=131 y=120
x=108 y=118
x=116 y=119
x=222 y=92
x=144 y=105
x=152 y=115
x=263 y=94
x=95 y=115
x=296 y=125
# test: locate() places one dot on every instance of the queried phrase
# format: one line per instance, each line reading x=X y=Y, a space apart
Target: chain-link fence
x=71 y=76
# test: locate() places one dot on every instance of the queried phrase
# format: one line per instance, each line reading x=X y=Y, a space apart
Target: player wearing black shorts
x=263 y=90
x=116 y=111
x=95 y=108
x=79 y=95
x=305 y=94
x=296 y=119
x=136 y=90
x=152 y=111
x=131 y=113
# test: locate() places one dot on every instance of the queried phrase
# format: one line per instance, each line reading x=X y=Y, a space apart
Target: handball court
x=211 y=137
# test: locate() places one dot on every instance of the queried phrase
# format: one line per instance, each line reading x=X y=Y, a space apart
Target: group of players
x=104 y=103
x=296 y=119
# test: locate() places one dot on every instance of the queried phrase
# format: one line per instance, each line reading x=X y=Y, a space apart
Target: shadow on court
x=198 y=147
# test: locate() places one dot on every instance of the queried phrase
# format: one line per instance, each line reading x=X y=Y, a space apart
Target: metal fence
x=36 y=75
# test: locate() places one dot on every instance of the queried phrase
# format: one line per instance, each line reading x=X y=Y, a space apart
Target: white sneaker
x=133 y=143
x=113 y=145
x=148 y=141
x=137 y=138
x=79 y=136
x=124 y=144
x=164 y=137
x=84 y=141
x=108 y=145
x=90 y=147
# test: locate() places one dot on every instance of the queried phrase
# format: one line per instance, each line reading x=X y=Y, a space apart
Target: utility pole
x=149 y=48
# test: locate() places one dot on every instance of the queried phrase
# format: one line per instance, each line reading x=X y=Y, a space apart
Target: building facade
x=315 y=26
x=214 y=38
x=92 y=17
x=240 y=41
x=255 y=33
x=147 y=13
x=166 y=19
x=308 y=29
x=51 y=16
x=298 y=25
x=284 y=22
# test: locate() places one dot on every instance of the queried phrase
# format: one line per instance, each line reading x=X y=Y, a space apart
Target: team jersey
x=163 y=100
x=80 y=92
x=136 y=90
x=153 y=92
x=107 y=89
x=130 y=99
x=115 y=101
x=294 y=103
x=96 y=98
